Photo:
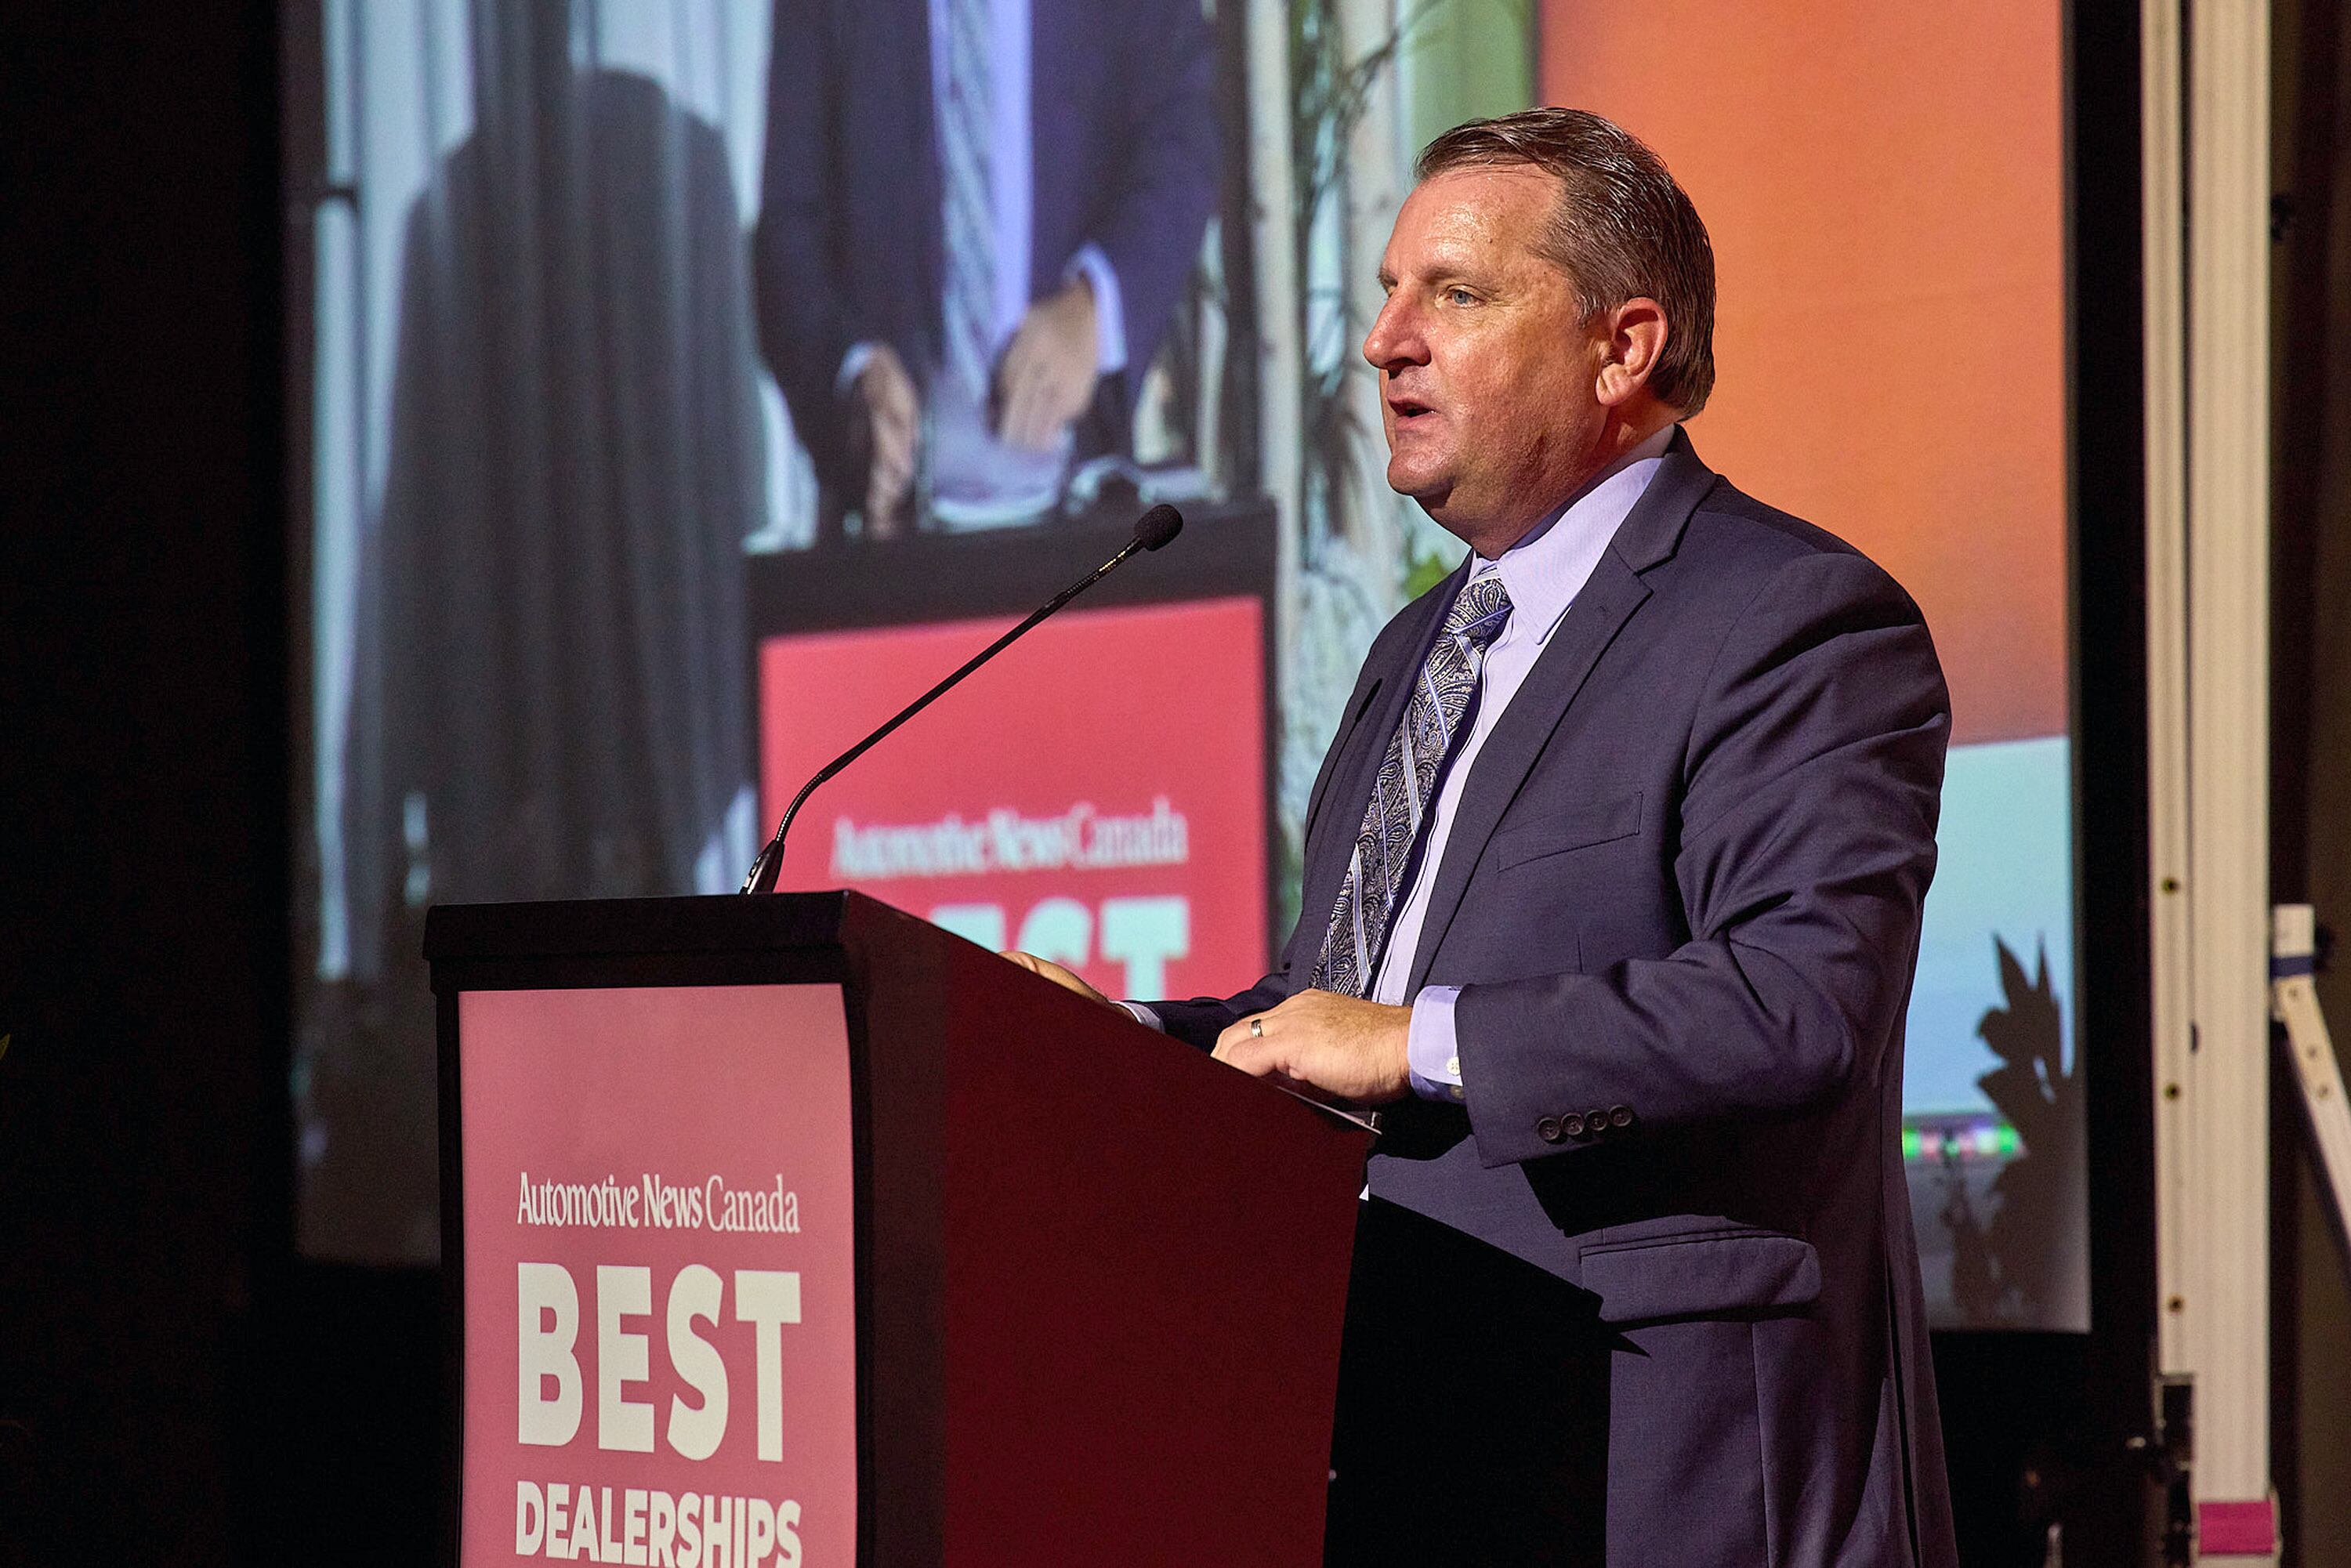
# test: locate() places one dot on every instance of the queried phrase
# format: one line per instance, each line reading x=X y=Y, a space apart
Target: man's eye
x=1460 y=297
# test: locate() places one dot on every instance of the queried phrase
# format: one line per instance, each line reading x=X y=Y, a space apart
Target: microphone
x=1153 y=530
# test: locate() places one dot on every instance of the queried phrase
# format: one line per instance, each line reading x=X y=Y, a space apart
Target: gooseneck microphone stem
x=1157 y=527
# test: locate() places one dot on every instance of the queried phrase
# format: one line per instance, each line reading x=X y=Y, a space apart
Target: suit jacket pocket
x=1584 y=824
x=1705 y=1275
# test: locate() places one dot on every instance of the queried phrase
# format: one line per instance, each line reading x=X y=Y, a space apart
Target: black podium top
x=716 y=922
x=713 y=939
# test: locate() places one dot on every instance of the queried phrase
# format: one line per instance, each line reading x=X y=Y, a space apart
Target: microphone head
x=1157 y=525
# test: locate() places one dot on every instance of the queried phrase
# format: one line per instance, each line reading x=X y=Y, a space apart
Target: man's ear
x=1637 y=338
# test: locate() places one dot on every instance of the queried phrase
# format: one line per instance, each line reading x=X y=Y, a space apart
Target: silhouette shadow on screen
x=2015 y=1266
x=550 y=695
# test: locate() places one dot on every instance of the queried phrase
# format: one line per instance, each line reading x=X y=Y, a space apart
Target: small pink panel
x=2243 y=1528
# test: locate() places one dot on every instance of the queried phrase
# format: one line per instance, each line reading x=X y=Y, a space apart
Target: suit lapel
x=1649 y=534
x=1060 y=140
x=907 y=122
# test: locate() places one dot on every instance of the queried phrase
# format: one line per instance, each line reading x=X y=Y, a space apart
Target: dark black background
x=174 y=1381
x=171 y=1388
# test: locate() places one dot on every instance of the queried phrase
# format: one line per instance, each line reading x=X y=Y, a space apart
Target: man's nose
x=1394 y=338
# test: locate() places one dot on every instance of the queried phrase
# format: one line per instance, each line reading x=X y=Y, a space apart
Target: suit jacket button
x=1595 y=1122
x=1620 y=1116
x=1571 y=1126
x=1549 y=1130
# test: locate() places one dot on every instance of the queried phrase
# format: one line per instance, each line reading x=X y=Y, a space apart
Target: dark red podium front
x=796 y=1230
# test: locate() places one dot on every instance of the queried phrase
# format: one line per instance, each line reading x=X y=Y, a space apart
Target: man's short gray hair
x=1623 y=229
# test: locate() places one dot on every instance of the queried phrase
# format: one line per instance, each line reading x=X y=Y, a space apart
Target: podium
x=793 y=1229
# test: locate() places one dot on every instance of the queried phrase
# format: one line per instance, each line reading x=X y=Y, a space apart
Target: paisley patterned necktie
x=1407 y=783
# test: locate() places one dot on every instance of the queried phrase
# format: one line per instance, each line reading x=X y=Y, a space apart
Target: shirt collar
x=1544 y=570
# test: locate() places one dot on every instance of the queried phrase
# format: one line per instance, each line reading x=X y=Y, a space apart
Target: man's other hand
x=1059 y=976
x=1047 y=378
x=890 y=412
x=1350 y=1050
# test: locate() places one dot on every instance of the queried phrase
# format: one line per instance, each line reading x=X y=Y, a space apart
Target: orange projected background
x=1884 y=189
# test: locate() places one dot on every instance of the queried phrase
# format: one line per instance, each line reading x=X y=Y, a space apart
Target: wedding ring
x=1256 y=1028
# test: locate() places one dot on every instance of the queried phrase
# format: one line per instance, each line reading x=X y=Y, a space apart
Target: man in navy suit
x=1611 y=892
x=1087 y=135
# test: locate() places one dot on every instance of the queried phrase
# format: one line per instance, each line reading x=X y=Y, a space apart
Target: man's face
x=1487 y=370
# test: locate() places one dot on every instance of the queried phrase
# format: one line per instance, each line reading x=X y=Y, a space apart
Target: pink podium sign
x=660 y=1295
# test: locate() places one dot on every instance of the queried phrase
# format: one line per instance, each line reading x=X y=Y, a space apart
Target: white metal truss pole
x=2163 y=271
x=2208 y=620
x=1281 y=356
x=2229 y=740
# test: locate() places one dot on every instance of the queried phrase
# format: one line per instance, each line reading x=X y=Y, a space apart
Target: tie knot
x=1480 y=613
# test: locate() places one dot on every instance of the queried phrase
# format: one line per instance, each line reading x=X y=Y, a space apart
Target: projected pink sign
x=1095 y=796
x=660 y=1295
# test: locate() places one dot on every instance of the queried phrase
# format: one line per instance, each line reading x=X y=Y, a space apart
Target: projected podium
x=793 y=1229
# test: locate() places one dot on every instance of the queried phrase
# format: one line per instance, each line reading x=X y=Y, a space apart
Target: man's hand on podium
x=1318 y=1043
x=1321 y=1041
x=887 y=420
x=1059 y=976
x=1048 y=374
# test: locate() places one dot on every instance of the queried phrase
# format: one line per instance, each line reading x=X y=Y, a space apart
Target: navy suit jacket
x=849 y=247
x=1682 y=895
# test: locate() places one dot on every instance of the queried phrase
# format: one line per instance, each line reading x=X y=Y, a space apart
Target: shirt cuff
x=1110 y=314
x=1432 y=1053
x=852 y=365
x=1141 y=1015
